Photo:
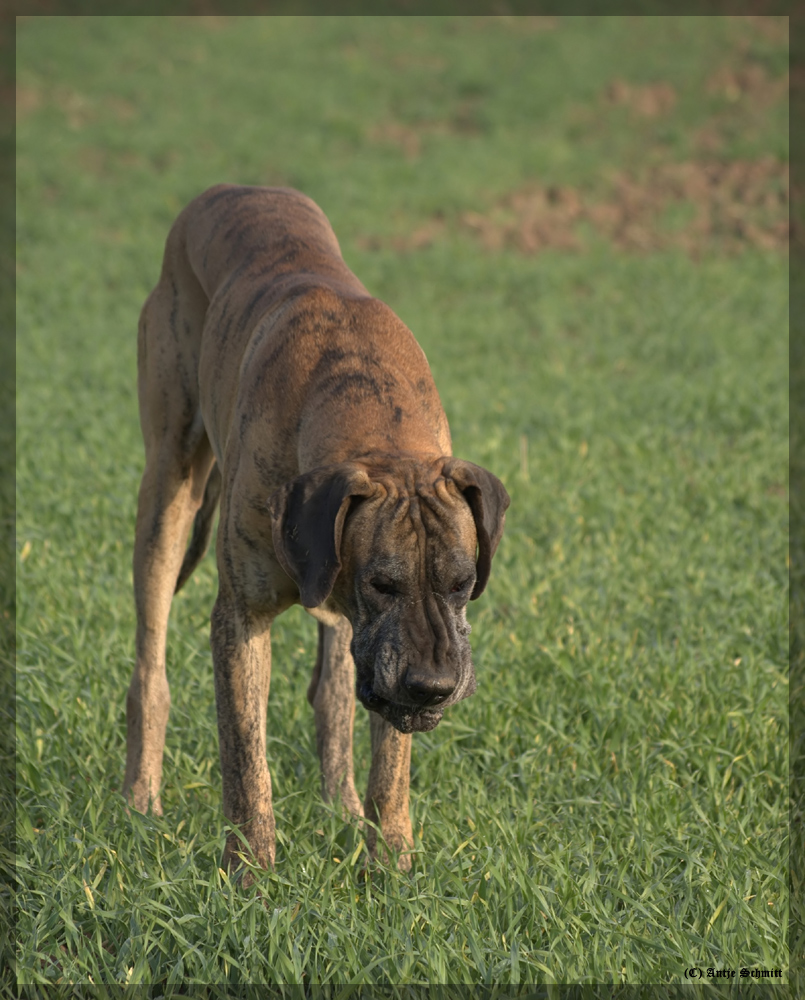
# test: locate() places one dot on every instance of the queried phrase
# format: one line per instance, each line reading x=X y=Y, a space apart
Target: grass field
x=584 y=223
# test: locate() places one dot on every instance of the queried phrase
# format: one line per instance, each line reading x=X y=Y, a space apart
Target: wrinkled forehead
x=420 y=519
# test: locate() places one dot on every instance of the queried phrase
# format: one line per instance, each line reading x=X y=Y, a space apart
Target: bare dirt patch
x=402 y=137
x=745 y=93
x=695 y=206
x=77 y=108
x=408 y=138
x=423 y=236
x=773 y=27
x=121 y=109
x=750 y=82
x=412 y=60
x=649 y=101
x=103 y=164
x=28 y=100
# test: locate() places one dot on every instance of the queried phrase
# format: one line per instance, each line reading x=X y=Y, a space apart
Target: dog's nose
x=428 y=691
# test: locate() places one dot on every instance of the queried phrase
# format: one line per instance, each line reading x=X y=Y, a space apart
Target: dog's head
x=399 y=549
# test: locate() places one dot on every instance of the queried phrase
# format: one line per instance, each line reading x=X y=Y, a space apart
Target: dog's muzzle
x=405 y=718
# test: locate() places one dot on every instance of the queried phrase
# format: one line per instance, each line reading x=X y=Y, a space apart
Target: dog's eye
x=384 y=587
x=458 y=587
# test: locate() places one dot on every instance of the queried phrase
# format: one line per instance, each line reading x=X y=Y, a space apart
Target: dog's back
x=275 y=239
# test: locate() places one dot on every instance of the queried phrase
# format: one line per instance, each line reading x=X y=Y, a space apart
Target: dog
x=273 y=385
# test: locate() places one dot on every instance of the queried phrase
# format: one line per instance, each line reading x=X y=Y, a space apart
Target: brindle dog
x=271 y=381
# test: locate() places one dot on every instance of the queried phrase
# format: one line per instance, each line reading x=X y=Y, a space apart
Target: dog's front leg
x=241 y=649
x=387 y=794
x=332 y=694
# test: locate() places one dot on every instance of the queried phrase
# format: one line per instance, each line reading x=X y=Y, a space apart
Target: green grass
x=611 y=805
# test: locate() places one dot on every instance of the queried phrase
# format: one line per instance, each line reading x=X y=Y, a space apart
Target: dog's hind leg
x=178 y=459
x=202 y=528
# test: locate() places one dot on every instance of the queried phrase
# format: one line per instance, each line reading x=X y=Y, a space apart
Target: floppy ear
x=307 y=520
x=488 y=501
